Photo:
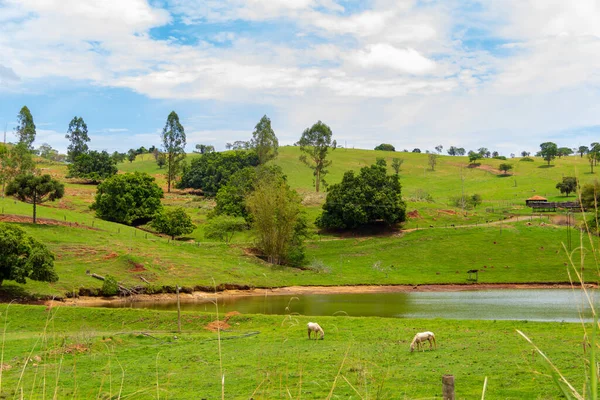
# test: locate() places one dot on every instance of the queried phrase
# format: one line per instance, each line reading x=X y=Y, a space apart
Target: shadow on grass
x=504 y=175
x=546 y=166
x=11 y=291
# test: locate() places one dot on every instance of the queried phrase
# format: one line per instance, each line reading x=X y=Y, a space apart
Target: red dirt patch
x=72 y=349
x=217 y=325
x=413 y=214
x=448 y=212
x=42 y=221
x=231 y=314
x=110 y=256
x=136 y=267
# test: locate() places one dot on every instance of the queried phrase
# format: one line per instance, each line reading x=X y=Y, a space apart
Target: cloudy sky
x=502 y=74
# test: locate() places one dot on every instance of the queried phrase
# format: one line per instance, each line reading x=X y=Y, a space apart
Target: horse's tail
x=434 y=342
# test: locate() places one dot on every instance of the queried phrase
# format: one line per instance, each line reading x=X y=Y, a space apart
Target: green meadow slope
x=501 y=237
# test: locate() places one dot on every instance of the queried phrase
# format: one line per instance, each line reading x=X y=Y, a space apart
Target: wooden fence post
x=448 y=387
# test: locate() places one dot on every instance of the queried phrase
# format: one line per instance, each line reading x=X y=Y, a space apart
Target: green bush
x=110 y=287
x=529 y=159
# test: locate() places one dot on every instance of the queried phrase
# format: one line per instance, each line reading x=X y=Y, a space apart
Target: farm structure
x=540 y=203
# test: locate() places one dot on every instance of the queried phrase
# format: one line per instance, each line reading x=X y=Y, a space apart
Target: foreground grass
x=82 y=353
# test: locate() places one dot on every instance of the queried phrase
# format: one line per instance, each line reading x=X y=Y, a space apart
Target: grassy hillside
x=501 y=237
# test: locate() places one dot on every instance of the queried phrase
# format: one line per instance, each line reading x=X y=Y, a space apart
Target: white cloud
x=384 y=55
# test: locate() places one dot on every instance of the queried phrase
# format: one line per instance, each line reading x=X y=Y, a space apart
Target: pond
x=514 y=304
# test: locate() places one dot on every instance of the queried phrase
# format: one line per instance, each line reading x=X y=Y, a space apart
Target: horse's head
x=412 y=347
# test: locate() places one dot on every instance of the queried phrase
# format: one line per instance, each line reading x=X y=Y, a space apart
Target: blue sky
x=502 y=74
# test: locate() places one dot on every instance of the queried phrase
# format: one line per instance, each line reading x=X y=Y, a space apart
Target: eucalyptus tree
x=315 y=143
x=173 y=141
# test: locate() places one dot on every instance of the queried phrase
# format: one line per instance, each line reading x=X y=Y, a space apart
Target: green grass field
x=83 y=353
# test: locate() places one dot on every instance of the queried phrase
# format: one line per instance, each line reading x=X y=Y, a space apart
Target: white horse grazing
x=314 y=327
x=422 y=337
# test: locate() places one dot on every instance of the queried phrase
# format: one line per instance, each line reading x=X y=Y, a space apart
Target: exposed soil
x=42 y=221
x=413 y=214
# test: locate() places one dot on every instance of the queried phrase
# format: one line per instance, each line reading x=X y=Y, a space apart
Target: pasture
x=81 y=353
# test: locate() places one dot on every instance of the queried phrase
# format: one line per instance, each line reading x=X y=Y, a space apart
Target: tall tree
x=315 y=144
x=173 y=140
x=25 y=128
x=582 y=150
x=548 y=151
x=35 y=189
x=14 y=161
x=264 y=141
x=78 y=135
x=277 y=221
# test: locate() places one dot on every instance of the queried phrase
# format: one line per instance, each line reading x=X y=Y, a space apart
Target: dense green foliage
x=231 y=198
x=277 y=221
x=385 y=147
x=15 y=160
x=314 y=144
x=93 y=166
x=22 y=257
x=173 y=222
x=25 y=129
x=128 y=199
x=110 y=286
x=548 y=151
x=35 y=189
x=173 y=141
x=78 y=136
x=568 y=185
x=505 y=167
x=362 y=199
x=212 y=170
x=264 y=142
x=223 y=227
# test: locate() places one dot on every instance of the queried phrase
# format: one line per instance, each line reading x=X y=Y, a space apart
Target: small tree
x=439 y=148
x=416 y=150
x=128 y=199
x=505 y=167
x=22 y=257
x=173 y=138
x=315 y=143
x=592 y=160
x=35 y=190
x=25 y=129
x=161 y=160
x=264 y=141
x=564 y=151
x=78 y=135
x=131 y=155
x=582 y=150
x=174 y=222
x=396 y=164
x=568 y=185
x=432 y=160
x=385 y=147
x=548 y=151
x=223 y=227
x=473 y=156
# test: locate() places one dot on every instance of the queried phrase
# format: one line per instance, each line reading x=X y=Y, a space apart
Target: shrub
x=128 y=199
x=110 y=287
x=528 y=159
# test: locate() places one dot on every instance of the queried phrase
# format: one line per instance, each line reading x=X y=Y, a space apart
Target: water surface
x=512 y=304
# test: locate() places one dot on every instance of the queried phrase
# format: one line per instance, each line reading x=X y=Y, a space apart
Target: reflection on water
x=533 y=305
